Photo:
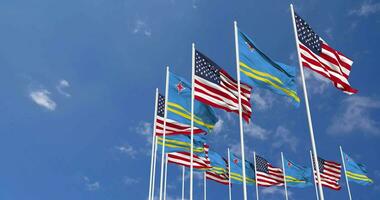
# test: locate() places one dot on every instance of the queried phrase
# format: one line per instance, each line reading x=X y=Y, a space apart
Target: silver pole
x=183 y=182
x=204 y=186
x=345 y=172
x=283 y=169
x=257 y=185
x=166 y=175
x=192 y=119
x=315 y=182
x=153 y=148
x=229 y=175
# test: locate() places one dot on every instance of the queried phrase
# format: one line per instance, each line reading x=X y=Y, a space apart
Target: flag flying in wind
x=330 y=173
x=178 y=143
x=356 y=172
x=236 y=171
x=172 y=127
x=297 y=175
x=259 y=70
x=220 y=178
x=317 y=55
x=179 y=105
x=266 y=174
x=200 y=160
x=215 y=87
x=218 y=163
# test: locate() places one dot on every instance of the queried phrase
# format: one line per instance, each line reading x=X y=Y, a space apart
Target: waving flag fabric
x=317 y=55
x=179 y=105
x=220 y=178
x=330 y=173
x=236 y=171
x=179 y=143
x=259 y=70
x=172 y=127
x=215 y=87
x=200 y=160
x=266 y=174
x=356 y=172
x=297 y=175
x=218 y=163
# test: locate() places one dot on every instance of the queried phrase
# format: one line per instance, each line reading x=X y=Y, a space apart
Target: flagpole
x=153 y=150
x=204 y=186
x=183 y=182
x=240 y=111
x=154 y=168
x=166 y=175
x=229 y=174
x=283 y=169
x=313 y=145
x=164 y=132
x=192 y=119
x=345 y=172
x=257 y=185
x=315 y=182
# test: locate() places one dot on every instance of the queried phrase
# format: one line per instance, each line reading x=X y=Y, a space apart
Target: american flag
x=215 y=87
x=317 y=55
x=172 y=127
x=184 y=159
x=330 y=173
x=220 y=178
x=266 y=174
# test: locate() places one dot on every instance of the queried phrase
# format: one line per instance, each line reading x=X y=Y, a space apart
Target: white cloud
x=127 y=149
x=316 y=83
x=366 y=8
x=91 y=186
x=130 y=181
x=355 y=115
x=141 y=27
x=329 y=34
x=283 y=137
x=41 y=97
x=146 y=130
x=218 y=126
x=262 y=100
x=256 y=131
x=274 y=190
x=61 y=86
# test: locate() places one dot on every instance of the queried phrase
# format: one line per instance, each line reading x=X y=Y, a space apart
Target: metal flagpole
x=204 y=186
x=345 y=172
x=229 y=174
x=240 y=111
x=315 y=182
x=257 y=185
x=153 y=143
x=164 y=132
x=313 y=145
x=183 y=182
x=192 y=120
x=166 y=175
x=154 y=168
x=284 y=172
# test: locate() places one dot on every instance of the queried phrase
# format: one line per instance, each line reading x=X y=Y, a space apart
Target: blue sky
x=78 y=80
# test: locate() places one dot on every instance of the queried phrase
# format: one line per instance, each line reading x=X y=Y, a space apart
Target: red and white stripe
x=184 y=159
x=330 y=175
x=331 y=64
x=274 y=177
x=174 y=127
x=220 y=178
x=225 y=95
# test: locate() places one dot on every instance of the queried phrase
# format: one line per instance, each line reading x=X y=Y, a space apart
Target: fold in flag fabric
x=200 y=160
x=236 y=171
x=259 y=70
x=218 y=163
x=172 y=127
x=317 y=55
x=266 y=174
x=330 y=173
x=215 y=87
x=179 y=105
x=220 y=178
x=296 y=175
x=179 y=143
x=356 y=172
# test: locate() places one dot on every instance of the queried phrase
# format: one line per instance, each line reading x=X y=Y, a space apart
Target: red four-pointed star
x=180 y=87
x=236 y=161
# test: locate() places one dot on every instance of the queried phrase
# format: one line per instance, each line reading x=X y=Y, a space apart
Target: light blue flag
x=259 y=70
x=297 y=175
x=236 y=171
x=181 y=143
x=218 y=163
x=179 y=105
x=356 y=172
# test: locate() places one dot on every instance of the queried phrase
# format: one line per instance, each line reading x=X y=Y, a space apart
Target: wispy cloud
x=274 y=190
x=355 y=114
x=127 y=149
x=366 y=8
x=283 y=137
x=317 y=83
x=130 y=181
x=91 y=186
x=262 y=100
x=42 y=98
x=145 y=129
x=218 y=126
x=256 y=131
x=62 y=85
x=141 y=27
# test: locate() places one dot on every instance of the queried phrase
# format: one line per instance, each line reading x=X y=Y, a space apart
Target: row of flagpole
x=162 y=191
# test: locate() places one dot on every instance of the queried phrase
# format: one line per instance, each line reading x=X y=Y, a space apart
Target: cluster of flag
x=186 y=105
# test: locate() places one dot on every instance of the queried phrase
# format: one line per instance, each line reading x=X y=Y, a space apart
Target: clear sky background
x=78 y=79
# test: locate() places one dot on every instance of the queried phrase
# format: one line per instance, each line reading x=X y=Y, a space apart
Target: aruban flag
x=172 y=127
x=215 y=87
x=220 y=178
x=356 y=172
x=266 y=174
x=200 y=160
x=317 y=55
x=330 y=173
